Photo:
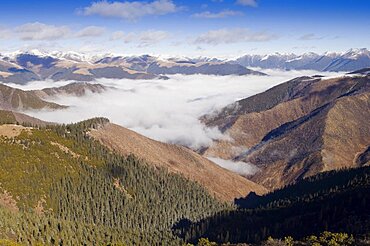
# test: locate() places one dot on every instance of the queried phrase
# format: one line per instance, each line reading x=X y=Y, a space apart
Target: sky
x=217 y=28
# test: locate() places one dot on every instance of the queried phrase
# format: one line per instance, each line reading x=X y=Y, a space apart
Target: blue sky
x=223 y=28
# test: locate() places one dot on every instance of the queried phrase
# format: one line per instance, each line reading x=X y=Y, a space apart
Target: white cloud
x=310 y=36
x=222 y=14
x=242 y=168
x=252 y=3
x=236 y=35
x=91 y=31
x=143 y=39
x=118 y=35
x=5 y=33
x=165 y=110
x=41 y=31
x=131 y=10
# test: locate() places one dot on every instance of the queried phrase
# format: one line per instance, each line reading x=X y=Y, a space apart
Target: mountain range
x=224 y=184
x=95 y=182
x=351 y=60
x=21 y=100
x=296 y=129
x=22 y=67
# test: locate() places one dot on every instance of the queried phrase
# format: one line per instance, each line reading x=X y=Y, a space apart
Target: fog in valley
x=165 y=110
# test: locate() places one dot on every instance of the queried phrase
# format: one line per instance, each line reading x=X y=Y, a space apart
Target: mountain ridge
x=23 y=67
x=225 y=184
x=353 y=59
x=21 y=100
x=303 y=126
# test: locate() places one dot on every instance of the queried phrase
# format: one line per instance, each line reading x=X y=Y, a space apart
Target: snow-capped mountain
x=353 y=59
x=22 y=67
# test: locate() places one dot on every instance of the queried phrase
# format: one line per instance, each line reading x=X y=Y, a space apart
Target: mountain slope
x=248 y=120
x=224 y=184
x=210 y=68
x=10 y=117
x=74 y=89
x=329 y=138
x=158 y=66
x=12 y=72
x=364 y=71
x=331 y=201
x=68 y=188
x=16 y=99
x=298 y=128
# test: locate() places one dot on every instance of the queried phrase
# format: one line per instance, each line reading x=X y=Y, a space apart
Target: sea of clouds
x=165 y=110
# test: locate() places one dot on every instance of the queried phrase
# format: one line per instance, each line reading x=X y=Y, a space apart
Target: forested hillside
x=334 y=201
x=59 y=187
x=224 y=184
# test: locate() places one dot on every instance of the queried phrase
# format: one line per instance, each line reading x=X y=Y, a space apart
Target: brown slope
x=225 y=184
x=331 y=137
x=347 y=132
x=9 y=117
x=16 y=99
x=257 y=103
x=252 y=118
x=75 y=89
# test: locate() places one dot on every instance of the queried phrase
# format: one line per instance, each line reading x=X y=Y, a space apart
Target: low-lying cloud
x=242 y=168
x=165 y=110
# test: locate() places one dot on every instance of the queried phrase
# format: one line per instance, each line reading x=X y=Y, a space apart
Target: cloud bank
x=165 y=110
x=130 y=10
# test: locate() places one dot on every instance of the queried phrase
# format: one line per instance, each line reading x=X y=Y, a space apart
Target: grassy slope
x=73 y=179
x=7 y=117
x=35 y=159
x=19 y=99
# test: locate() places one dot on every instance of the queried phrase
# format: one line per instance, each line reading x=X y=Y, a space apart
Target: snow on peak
x=356 y=53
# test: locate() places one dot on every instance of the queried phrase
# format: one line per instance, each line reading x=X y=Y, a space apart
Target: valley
x=184 y=123
x=112 y=184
